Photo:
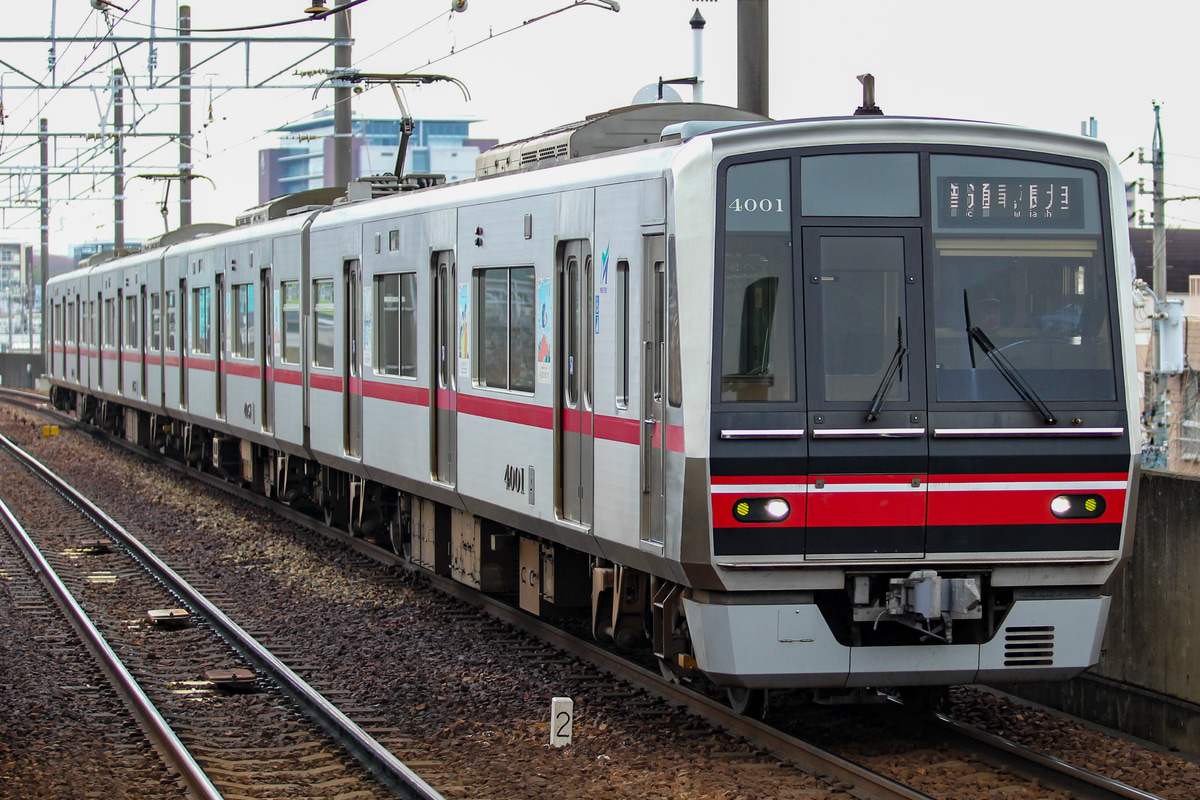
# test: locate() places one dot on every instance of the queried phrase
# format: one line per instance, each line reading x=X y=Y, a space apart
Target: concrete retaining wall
x=1148 y=680
x=20 y=370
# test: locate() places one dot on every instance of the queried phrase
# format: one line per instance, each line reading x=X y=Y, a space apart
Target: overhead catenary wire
x=91 y=154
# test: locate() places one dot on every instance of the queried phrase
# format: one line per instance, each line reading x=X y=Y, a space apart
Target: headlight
x=1077 y=506
x=761 y=509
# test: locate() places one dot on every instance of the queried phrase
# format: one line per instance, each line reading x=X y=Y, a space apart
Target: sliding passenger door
x=352 y=396
x=80 y=338
x=444 y=357
x=864 y=334
x=143 y=336
x=218 y=345
x=654 y=378
x=185 y=338
x=266 y=318
x=575 y=426
x=118 y=322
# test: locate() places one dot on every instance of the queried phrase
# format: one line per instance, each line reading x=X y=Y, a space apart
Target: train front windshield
x=1018 y=257
x=1010 y=255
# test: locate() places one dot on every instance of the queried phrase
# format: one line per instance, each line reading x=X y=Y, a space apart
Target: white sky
x=1047 y=64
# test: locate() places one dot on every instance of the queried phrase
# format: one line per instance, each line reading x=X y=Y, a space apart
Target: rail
x=389 y=770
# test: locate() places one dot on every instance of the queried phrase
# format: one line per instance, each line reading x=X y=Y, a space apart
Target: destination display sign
x=1016 y=203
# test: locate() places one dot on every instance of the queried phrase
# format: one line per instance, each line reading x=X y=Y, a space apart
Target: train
x=825 y=404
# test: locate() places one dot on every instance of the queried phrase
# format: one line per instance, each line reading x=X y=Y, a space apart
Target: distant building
x=1183 y=257
x=16 y=268
x=81 y=251
x=436 y=145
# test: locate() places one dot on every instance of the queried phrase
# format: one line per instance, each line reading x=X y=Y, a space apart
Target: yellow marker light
x=761 y=509
x=1077 y=506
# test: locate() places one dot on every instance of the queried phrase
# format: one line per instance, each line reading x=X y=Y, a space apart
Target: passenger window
x=506 y=328
x=131 y=323
x=155 y=322
x=171 y=322
x=110 y=322
x=200 y=321
x=396 y=329
x=323 y=321
x=243 y=322
x=622 y=332
x=290 y=334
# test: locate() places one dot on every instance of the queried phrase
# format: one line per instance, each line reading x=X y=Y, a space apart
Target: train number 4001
x=514 y=479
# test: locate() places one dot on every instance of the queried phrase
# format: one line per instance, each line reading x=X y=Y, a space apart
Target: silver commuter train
x=827 y=403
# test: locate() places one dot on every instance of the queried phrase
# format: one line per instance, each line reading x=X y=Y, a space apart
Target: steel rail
x=157 y=730
x=388 y=769
x=806 y=756
x=1050 y=771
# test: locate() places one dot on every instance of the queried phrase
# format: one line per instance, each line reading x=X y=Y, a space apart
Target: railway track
x=227 y=728
x=1012 y=767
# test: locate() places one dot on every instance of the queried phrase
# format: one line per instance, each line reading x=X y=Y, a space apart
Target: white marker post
x=562 y=718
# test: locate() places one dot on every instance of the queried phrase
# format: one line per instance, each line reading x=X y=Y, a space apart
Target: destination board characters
x=1027 y=203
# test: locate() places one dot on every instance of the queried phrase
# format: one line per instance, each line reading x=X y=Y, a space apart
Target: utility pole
x=753 y=56
x=118 y=162
x=185 y=117
x=1159 y=283
x=1167 y=312
x=44 y=147
x=342 y=120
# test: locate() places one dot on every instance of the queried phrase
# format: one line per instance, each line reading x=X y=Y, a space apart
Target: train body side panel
x=505 y=434
x=334 y=247
x=289 y=276
x=396 y=398
x=243 y=342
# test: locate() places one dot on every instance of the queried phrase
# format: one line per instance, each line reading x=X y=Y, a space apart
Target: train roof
x=617 y=129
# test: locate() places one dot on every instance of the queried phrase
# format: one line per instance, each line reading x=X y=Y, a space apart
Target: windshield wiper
x=886 y=383
x=893 y=368
x=1010 y=373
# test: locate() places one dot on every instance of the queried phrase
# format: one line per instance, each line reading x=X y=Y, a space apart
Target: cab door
x=654 y=381
x=865 y=374
x=575 y=383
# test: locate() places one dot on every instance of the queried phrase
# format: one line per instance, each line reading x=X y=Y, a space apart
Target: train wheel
x=747 y=702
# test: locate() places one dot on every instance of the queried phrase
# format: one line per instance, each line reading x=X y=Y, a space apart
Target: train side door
x=352 y=397
x=184 y=339
x=144 y=322
x=575 y=382
x=80 y=338
x=444 y=358
x=868 y=452
x=119 y=323
x=266 y=317
x=221 y=314
x=654 y=369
